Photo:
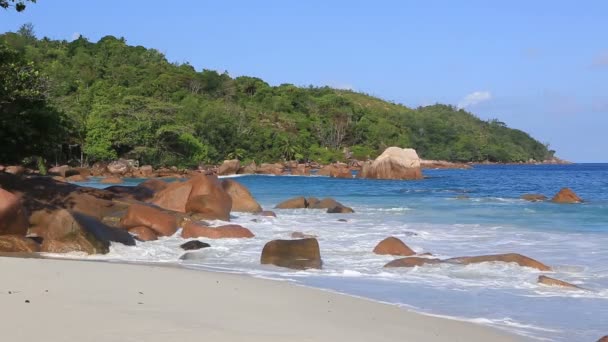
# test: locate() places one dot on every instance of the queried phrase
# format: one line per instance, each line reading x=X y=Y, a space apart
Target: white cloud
x=75 y=35
x=474 y=98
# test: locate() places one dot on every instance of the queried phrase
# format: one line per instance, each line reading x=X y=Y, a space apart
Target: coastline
x=104 y=301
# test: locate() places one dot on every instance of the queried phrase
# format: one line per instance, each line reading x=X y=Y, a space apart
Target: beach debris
x=534 y=197
x=393 y=163
x=412 y=262
x=162 y=223
x=393 y=246
x=566 y=195
x=194 y=245
x=519 y=259
x=242 y=200
x=196 y=230
x=27 y=301
x=295 y=254
x=143 y=233
x=542 y=279
x=342 y=220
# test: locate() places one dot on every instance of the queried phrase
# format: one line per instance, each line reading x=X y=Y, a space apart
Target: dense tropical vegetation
x=88 y=102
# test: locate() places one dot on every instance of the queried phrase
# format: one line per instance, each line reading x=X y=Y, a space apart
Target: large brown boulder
x=242 y=200
x=75 y=232
x=209 y=207
x=300 y=170
x=519 y=259
x=78 y=178
x=162 y=223
x=336 y=170
x=248 y=169
x=603 y=339
x=119 y=167
x=394 y=163
x=231 y=231
x=296 y=254
x=154 y=185
x=393 y=246
x=555 y=282
x=111 y=180
x=17 y=244
x=534 y=197
x=412 y=262
x=13 y=219
x=293 y=203
x=270 y=169
x=208 y=197
x=174 y=196
x=340 y=209
x=325 y=203
x=566 y=195
x=229 y=167
x=143 y=233
x=146 y=171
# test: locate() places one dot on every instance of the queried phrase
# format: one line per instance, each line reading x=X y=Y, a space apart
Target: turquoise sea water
x=430 y=215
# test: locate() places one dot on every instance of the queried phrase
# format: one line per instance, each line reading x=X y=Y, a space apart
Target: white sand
x=94 y=301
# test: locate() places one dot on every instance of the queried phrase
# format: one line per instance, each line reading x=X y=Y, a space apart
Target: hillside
x=116 y=100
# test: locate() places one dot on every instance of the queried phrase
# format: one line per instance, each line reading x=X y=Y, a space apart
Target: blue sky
x=540 y=66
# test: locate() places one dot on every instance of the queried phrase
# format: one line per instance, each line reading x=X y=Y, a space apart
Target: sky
x=539 y=66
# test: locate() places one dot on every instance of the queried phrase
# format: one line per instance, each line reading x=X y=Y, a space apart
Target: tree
x=18 y=4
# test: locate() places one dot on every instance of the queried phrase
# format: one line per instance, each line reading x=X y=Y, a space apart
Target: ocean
x=450 y=213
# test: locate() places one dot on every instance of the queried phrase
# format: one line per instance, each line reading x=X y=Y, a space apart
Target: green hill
x=116 y=100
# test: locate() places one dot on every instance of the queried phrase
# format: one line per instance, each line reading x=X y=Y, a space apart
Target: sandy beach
x=96 y=301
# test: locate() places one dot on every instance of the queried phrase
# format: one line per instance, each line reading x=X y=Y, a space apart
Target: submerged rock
x=267 y=213
x=231 y=231
x=295 y=254
x=555 y=282
x=412 y=262
x=112 y=180
x=566 y=195
x=293 y=203
x=194 y=245
x=519 y=259
x=393 y=246
x=534 y=197
x=300 y=235
x=340 y=209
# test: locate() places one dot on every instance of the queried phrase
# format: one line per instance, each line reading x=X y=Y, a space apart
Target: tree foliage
x=129 y=101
